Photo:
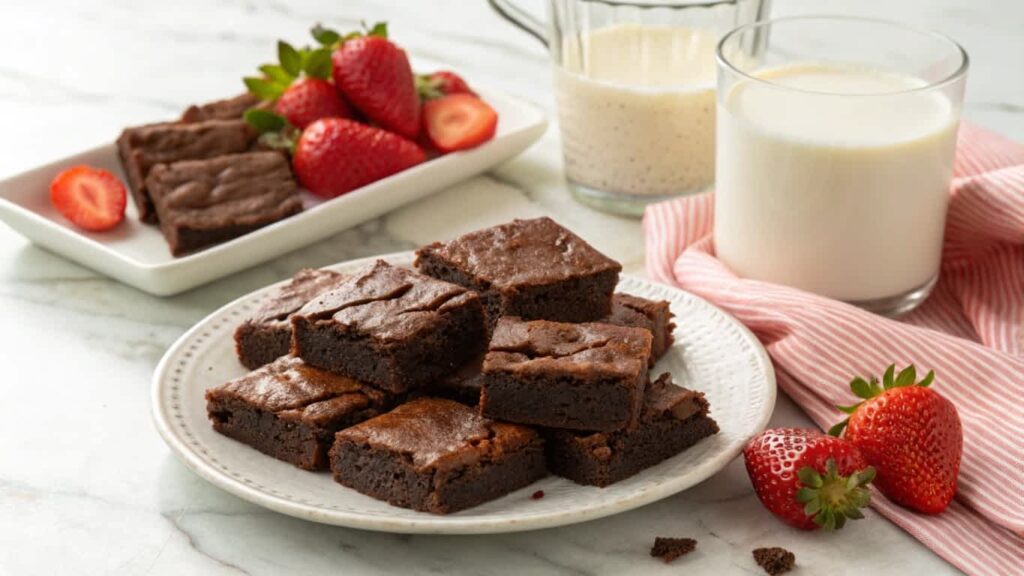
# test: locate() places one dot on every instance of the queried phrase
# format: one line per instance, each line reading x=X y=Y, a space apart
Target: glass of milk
x=835 y=152
x=635 y=87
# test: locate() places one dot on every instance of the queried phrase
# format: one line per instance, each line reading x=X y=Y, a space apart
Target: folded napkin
x=970 y=331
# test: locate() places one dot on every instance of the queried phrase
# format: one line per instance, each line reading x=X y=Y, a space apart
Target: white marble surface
x=87 y=487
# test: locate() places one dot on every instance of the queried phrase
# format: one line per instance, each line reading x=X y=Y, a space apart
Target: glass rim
x=955 y=76
x=663 y=3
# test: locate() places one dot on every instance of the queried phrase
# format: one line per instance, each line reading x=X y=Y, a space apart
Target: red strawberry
x=808 y=479
x=334 y=156
x=91 y=198
x=441 y=83
x=309 y=99
x=375 y=76
x=910 y=434
x=458 y=122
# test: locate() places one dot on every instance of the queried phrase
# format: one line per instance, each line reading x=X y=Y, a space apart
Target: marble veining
x=87 y=486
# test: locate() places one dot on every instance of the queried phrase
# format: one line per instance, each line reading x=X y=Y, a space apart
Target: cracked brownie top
x=537 y=251
x=540 y=346
x=440 y=434
x=387 y=302
x=305 y=285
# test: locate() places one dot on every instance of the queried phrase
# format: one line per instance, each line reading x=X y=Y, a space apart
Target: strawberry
x=441 y=83
x=458 y=122
x=808 y=479
x=375 y=76
x=910 y=434
x=334 y=156
x=309 y=99
x=91 y=198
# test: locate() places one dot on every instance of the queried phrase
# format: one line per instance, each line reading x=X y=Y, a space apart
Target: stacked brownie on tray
x=205 y=179
x=506 y=356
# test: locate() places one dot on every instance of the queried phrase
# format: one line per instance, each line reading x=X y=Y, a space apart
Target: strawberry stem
x=870 y=388
x=832 y=499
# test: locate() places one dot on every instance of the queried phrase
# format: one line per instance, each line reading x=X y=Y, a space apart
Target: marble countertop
x=87 y=486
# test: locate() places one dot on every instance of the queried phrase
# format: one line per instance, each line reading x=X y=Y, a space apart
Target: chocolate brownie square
x=534 y=269
x=267 y=334
x=672 y=420
x=204 y=202
x=227 y=109
x=579 y=376
x=390 y=327
x=655 y=316
x=436 y=455
x=142 y=147
x=291 y=411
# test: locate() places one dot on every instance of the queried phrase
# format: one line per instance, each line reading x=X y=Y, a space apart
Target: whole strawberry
x=910 y=434
x=441 y=83
x=375 y=76
x=808 y=479
x=298 y=86
x=334 y=156
x=309 y=99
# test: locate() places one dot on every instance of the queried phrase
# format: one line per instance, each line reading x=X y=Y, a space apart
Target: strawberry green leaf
x=277 y=74
x=379 y=29
x=263 y=88
x=809 y=477
x=325 y=36
x=861 y=388
x=838 y=428
x=278 y=141
x=264 y=121
x=317 y=63
x=849 y=409
x=906 y=377
x=289 y=57
x=887 y=378
x=928 y=379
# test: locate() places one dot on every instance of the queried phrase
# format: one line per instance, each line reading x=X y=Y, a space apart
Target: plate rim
x=435 y=524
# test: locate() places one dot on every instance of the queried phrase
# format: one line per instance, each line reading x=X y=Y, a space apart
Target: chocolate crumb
x=774 y=560
x=538 y=495
x=668 y=549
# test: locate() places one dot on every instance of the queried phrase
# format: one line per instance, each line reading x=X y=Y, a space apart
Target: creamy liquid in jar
x=842 y=195
x=636 y=107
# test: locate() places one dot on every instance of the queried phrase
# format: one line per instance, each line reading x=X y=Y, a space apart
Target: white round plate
x=713 y=353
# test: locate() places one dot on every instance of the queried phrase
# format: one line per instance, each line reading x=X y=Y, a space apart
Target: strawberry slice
x=90 y=198
x=458 y=122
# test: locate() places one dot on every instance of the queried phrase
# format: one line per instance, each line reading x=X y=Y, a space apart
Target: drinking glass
x=635 y=87
x=836 y=139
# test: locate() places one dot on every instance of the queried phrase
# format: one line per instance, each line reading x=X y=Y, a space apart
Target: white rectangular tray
x=136 y=253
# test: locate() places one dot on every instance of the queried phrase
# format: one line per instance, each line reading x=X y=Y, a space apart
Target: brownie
x=579 y=376
x=291 y=411
x=462 y=385
x=203 y=202
x=672 y=420
x=534 y=269
x=436 y=455
x=668 y=549
x=774 y=560
x=391 y=327
x=653 y=315
x=226 y=109
x=142 y=147
x=267 y=334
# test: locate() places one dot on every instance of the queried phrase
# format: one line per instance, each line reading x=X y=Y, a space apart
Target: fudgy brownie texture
x=580 y=376
x=436 y=455
x=673 y=419
x=774 y=560
x=462 y=385
x=653 y=315
x=534 y=269
x=226 y=109
x=203 y=202
x=142 y=147
x=291 y=411
x=267 y=334
x=668 y=549
x=391 y=327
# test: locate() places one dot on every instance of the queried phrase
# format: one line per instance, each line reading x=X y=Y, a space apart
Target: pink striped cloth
x=970 y=331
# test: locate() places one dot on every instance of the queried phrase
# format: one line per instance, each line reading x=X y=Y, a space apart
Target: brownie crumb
x=774 y=560
x=537 y=495
x=668 y=549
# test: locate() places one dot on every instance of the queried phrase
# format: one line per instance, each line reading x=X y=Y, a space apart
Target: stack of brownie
x=508 y=355
x=204 y=179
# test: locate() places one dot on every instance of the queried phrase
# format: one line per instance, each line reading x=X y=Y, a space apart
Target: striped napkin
x=970 y=331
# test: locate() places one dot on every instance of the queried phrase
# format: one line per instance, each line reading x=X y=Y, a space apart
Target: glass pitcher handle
x=521 y=19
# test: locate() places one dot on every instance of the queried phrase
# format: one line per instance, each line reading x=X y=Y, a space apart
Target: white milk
x=636 y=106
x=844 y=196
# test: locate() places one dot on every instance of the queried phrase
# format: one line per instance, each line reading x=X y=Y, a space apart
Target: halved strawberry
x=91 y=198
x=458 y=122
